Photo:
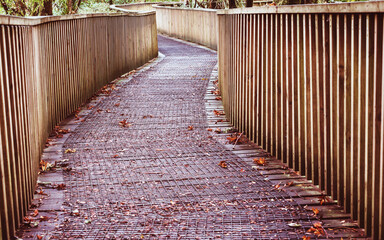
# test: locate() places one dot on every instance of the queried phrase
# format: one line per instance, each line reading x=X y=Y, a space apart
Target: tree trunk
x=232 y=3
x=249 y=3
x=47 y=8
x=213 y=4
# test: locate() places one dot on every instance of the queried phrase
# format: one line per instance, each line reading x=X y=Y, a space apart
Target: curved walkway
x=142 y=165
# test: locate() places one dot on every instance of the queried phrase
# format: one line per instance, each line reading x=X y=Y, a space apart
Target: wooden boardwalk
x=152 y=156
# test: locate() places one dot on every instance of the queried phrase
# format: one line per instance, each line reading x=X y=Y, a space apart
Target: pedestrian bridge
x=270 y=131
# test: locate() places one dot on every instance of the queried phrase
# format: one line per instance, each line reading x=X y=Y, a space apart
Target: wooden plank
x=347 y=161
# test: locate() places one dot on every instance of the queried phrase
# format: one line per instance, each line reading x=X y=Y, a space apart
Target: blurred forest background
x=63 y=7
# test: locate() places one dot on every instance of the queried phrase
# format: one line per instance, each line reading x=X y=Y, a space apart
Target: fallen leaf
x=27 y=219
x=223 y=164
x=117 y=104
x=294 y=225
x=209 y=129
x=39 y=237
x=190 y=128
x=125 y=123
x=217 y=130
x=218 y=112
x=35 y=213
x=277 y=186
x=315 y=211
x=317 y=225
x=306 y=237
x=218 y=98
x=289 y=183
x=75 y=212
x=242 y=170
x=34 y=224
x=45 y=166
x=44 y=218
x=70 y=150
x=61 y=186
x=115 y=156
x=232 y=139
x=259 y=161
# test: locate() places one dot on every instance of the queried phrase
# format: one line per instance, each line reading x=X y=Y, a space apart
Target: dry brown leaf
x=125 y=123
x=69 y=150
x=259 y=161
x=315 y=211
x=223 y=164
x=35 y=213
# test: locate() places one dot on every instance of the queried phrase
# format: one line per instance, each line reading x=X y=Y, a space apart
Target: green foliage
x=22 y=7
x=95 y=7
x=63 y=7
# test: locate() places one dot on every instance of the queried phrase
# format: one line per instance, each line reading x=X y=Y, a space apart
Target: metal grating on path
x=157 y=179
x=145 y=166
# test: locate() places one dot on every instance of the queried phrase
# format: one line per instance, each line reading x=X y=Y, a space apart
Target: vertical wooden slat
x=347 y=117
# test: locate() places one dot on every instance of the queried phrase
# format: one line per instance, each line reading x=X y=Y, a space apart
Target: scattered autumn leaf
x=242 y=170
x=45 y=166
x=44 y=218
x=61 y=186
x=315 y=211
x=35 y=213
x=289 y=183
x=317 y=225
x=223 y=164
x=125 y=123
x=218 y=112
x=217 y=130
x=317 y=229
x=115 y=156
x=117 y=104
x=218 y=98
x=39 y=237
x=277 y=186
x=69 y=150
x=259 y=161
x=294 y=225
x=27 y=219
x=232 y=139
x=209 y=129
x=306 y=237
x=190 y=128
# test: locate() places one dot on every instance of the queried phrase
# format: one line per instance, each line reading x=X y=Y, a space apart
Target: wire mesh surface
x=154 y=178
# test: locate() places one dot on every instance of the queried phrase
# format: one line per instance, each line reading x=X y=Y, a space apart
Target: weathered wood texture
x=308 y=87
x=49 y=67
x=194 y=25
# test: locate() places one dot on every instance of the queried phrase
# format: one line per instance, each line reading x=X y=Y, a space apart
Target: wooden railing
x=306 y=83
x=49 y=67
x=195 y=25
x=134 y=7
